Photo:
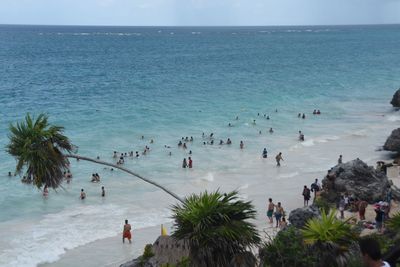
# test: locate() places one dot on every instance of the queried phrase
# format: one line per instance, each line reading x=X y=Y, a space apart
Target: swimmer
x=265 y=153
x=258 y=114
x=184 y=145
x=190 y=152
x=211 y=135
x=271 y=130
x=151 y=141
x=142 y=137
x=221 y=142
x=204 y=143
x=254 y=122
x=318 y=112
x=212 y=142
x=299 y=115
x=314 y=112
x=304 y=116
x=45 y=191
x=131 y=154
x=237 y=117
x=9 y=173
x=241 y=145
x=267 y=117
x=203 y=135
x=180 y=143
x=137 y=154
x=259 y=132
x=228 y=142
x=191 y=139
x=229 y=125
x=83 y=194
x=276 y=110
x=93 y=178
x=103 y=191
x=170 y=153
x=115 y=154
x=98 y=157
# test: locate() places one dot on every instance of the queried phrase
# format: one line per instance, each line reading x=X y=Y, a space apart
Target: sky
x=199 y=12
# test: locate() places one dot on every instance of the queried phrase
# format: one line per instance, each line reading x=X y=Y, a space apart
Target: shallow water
x=109 y=86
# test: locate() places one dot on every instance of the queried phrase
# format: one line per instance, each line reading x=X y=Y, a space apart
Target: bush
x=148 y=252
x=322 y=204
x=286 y=249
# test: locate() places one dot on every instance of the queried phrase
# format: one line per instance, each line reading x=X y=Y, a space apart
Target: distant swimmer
x=180 y=143
x=271 y=130
x=301 y=136
x=299 y=115
x=314 y=112
x=204 y=143
x=190 y=152
x=259 y=132
x=211 y=135
x=151 y=141
x=237 y=117
x=9 y=173
x=276 y=110
x=212 y=142
x=127 y=232
x=142 y=136
x=258 y=114
x=191 y=139
x=304 y=116
x=241 y=145
x=318 y=112
x=170 y=153
x=265 y=153
x=186 y=139
x=98 y=157
x=278 y=159
x=221 y=142
x=229 y=125
x=83 y=194
x=184 y=163
x=190 y=164
x=137 y=154
x=203 y=135
x=184 y=145
x=340 y=159
x=103 y=191
x=254 y=122
x=228 y=142
x=115 y=154
x=45 y=191
x=267 y=117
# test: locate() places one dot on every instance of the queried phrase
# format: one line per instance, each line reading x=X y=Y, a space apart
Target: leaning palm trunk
x=126 y=170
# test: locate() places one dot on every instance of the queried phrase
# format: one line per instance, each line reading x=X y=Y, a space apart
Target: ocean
x=109 y=86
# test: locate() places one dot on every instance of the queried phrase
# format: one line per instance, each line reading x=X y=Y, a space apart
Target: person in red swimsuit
x=127 y=232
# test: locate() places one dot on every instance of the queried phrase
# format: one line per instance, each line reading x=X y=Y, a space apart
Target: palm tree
x=216 y=228
x=43 y=151
x=330 y=238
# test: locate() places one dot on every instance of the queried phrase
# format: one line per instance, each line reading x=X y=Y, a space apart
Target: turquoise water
x=110 y=85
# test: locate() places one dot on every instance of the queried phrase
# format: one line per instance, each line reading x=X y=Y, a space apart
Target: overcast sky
x=199 y=12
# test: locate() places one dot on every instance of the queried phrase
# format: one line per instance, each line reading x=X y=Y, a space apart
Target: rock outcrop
x=357 y=179
x=396 y=99
x=166 y=250
x=299 y=217
x=393 y=141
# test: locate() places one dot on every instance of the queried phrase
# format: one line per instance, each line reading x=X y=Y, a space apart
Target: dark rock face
x=396 y=99
x=357 y=179
x=299 y=217
x=393 y=141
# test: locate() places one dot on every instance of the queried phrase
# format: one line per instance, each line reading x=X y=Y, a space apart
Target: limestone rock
x=396 y=99
x=300 y=216
x=357 y=179
x=393 y=141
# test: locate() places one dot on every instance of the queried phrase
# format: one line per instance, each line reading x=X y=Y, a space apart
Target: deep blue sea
x=108 y=86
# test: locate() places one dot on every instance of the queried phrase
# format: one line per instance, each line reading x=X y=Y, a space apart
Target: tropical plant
x=42 y=150
x=322 y=204
x=394 y=222
x=330 y=239
x=286 y=249
x=216 y=227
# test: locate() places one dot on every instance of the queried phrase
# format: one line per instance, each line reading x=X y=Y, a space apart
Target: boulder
x=393 y=141
x=299 y=217
x=396 y=99
x=166 y=250
x=357 y=179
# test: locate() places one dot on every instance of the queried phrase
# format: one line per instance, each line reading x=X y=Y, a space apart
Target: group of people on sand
x=277 y=211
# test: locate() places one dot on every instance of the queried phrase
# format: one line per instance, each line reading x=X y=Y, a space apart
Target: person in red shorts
x=127 y=232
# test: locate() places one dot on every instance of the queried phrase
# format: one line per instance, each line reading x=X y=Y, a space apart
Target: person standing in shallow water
x=83 y=194
x=127 y=232
x=279 y=213
x=241 y=145
x=278 y=159
x=184 y=163
x=190 y=163
x=103 y=191
x=270 y=210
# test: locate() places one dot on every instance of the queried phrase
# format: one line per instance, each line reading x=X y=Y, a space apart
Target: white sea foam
x=47 y=239
x=288 y=175
x=393 y=118
x=245 y=186
x=309 y=142
x=209 y=177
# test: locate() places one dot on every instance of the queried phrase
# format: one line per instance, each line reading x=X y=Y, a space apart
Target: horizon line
x=203 y=26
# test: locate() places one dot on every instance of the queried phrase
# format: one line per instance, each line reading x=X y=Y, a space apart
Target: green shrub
x=286 y=249
x=322 y=204
x=148 y=252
